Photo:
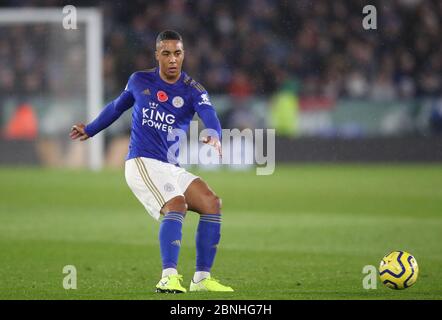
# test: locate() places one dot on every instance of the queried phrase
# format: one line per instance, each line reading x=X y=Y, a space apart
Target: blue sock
x=207 y=239
x=170 y=238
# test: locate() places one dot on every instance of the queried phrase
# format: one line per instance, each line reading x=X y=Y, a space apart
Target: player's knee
x=177 y=204
x=218 y=203
x=213 y=204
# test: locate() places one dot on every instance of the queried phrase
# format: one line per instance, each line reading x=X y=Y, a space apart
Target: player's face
x=170 y=56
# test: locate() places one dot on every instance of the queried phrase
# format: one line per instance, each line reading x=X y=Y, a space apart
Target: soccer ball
x=398 y=270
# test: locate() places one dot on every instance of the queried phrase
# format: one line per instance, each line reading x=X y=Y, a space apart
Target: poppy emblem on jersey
x=178 y=102
x=162 y=96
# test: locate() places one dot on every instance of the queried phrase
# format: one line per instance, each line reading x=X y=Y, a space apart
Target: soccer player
x=165 y=98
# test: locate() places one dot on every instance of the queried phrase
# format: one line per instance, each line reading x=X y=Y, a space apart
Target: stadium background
x=334 y=91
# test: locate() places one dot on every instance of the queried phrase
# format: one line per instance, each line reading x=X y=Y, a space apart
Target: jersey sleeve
x=205 y=110
x=201 y=100
x=112 y=111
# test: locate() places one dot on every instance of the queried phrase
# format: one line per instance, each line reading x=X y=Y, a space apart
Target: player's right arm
x=107 y=116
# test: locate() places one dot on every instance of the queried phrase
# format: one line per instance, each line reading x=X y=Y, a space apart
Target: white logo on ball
x=178 y=102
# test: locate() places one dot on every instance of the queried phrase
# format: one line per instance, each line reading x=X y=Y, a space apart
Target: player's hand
x=213 y=141
x=77 y=131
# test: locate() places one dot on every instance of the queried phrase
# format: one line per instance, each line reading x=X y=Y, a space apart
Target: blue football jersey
x=160 y=107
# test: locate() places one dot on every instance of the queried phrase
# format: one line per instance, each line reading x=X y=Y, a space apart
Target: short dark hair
x=168 y=35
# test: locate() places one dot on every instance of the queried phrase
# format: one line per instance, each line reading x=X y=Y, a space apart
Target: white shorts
x=155 y=182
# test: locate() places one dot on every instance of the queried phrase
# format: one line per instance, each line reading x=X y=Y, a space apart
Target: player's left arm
x=207 y=114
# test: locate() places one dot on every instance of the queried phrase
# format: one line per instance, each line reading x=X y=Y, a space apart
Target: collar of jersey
x=157 y=72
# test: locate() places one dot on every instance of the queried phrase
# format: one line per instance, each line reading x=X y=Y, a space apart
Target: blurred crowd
x=253 y=46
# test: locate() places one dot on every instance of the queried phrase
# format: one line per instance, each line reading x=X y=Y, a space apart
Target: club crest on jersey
x=178 y=102
x=146 y=92
x=162 y=96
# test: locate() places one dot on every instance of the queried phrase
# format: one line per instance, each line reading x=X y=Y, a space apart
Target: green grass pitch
x=304 y=232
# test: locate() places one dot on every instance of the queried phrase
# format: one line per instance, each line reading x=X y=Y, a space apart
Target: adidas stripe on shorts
x=155 y=182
